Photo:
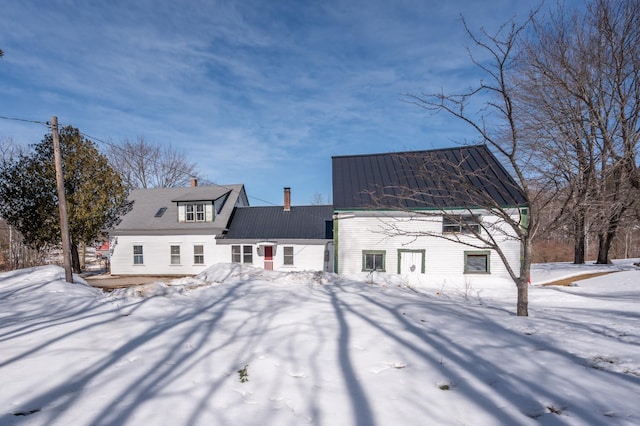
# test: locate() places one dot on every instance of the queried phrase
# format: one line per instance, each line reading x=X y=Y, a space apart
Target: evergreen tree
x=95 y=194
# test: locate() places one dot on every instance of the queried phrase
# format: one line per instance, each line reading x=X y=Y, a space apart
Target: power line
x=115 y=146
x=24 y=120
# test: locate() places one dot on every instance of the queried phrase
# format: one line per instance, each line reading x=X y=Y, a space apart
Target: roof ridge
x=411 y=152
x=175 y=188
x=281 y=206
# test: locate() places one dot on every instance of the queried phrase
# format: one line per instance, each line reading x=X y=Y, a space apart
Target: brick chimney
x=194 y=182
x=287 y=199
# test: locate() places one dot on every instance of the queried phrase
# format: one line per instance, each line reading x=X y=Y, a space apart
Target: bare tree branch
x=146 y=165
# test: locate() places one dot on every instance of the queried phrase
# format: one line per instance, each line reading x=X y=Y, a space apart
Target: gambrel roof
x=273 y=222
x=441 y=178
x=147 y=216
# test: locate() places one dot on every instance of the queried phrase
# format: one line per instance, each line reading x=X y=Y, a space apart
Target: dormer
x=196 y=211
x=171 y=211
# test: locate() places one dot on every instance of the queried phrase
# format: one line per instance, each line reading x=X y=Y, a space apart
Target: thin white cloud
x=242 y=86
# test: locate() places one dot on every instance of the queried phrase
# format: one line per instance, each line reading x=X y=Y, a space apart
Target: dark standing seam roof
x=272 y=222
x=403 y=180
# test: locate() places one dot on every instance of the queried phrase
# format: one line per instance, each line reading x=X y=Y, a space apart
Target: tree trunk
x=75 y=259
x=579 y=238
x=522 y=283
x=604 y=244
x=605 y=239
x=523 y=297
x=83 y=251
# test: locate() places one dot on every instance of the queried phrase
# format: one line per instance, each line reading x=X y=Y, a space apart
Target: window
x=476 y=262
x=198 y=255
x=160 y=212
x=235 y=254
x=242 y=254
x=461 y=224
x=194 y=212
x=373 y=260
x=138 y=258
x=288 y=255
x=247 y=252
x=175 y=255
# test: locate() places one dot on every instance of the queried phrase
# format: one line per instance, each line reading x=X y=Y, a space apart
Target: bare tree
x=9 y=150
x=145 y=165
x=14 y=252
x=496 y=123
x=581 y=86
x=317 y=199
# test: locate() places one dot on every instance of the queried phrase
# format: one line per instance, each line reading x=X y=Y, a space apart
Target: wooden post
x=62 y=202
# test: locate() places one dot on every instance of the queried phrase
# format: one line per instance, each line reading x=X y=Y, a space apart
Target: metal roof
x=144 y=218
x=202 y=193
x=273 y=222
x=441 y=178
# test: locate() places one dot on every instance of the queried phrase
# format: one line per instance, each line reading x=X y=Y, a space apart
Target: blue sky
x=260 y=92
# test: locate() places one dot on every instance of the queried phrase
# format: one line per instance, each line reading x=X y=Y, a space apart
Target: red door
x=268 y=258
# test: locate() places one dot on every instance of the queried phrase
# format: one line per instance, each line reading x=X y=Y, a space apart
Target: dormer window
x=195 y=212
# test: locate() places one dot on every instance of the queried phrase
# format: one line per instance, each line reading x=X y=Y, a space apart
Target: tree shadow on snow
x=328 y=328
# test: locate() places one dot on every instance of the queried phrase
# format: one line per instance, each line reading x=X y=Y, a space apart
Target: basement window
x=477 y=262
x=373 y=260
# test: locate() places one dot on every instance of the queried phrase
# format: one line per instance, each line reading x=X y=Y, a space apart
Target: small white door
x=411 y=262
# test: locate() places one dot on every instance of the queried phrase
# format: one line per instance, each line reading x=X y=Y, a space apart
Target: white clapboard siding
x=157 y=254
x=306 y=257
x=359 y=232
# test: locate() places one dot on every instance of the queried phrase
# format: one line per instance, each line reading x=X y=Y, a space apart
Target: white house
x=389 y=217
x=392 y=219
x=172 y=231
x=282 y=238
x=182 y=231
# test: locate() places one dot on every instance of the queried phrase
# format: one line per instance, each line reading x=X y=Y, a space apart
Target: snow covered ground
x=242 y=346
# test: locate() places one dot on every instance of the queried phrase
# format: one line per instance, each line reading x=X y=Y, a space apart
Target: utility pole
x=62 y=202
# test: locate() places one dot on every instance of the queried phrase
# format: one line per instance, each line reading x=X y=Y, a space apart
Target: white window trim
x=171 y=255
x=195 y=212
x=242 y=253
x=285 y=256
x=141 y=254
x=198 y=255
